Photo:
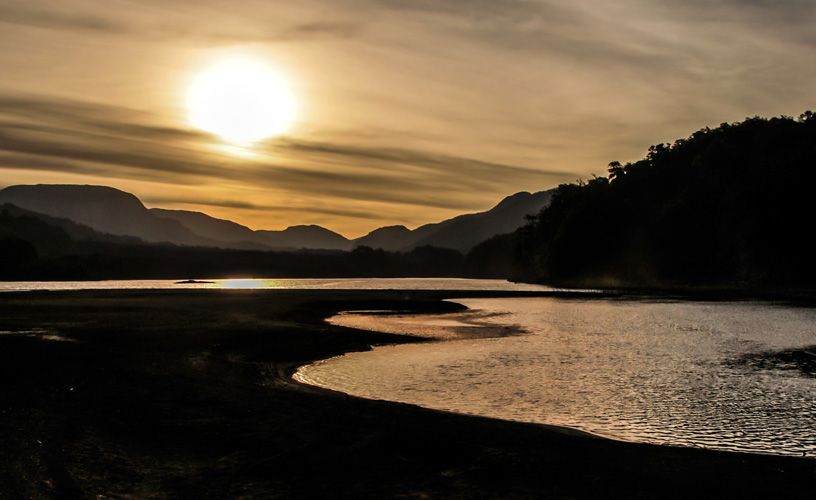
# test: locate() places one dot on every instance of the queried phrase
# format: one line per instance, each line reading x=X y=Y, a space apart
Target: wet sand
x=187 y=394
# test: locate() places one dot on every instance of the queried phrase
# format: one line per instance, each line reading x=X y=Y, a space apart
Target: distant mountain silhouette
x=233 y=235
x=73 y=230
x=390 y=238
x=463 y=232
x=103 y=209
x=26 y=235
x=111 y=211
x=311 y=236
x=38 y=247
x=108 y=210
x=228 y=234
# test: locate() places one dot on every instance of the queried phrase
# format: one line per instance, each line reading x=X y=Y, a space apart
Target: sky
x=408 y=111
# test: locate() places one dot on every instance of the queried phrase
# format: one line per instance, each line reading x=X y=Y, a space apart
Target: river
x=720 y=375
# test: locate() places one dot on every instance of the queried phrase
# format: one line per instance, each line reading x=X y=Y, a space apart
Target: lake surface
x=730 y=376
x=294 y=284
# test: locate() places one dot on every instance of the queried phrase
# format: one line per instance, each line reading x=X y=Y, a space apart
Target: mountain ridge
x=462 y=232
x=102 y=208
x=111 y=211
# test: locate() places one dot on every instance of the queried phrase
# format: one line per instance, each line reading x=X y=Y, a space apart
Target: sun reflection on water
x=248 y=283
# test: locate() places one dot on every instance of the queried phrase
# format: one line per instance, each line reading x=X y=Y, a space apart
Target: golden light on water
x=242 y=101
x=247 y=283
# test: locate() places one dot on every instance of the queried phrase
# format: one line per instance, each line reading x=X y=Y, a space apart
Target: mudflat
x=188 y=395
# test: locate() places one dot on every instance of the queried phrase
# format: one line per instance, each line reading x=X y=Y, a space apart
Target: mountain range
x=464 y=231
x=113 y=212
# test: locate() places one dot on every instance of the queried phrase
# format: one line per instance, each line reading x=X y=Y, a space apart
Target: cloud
x=319 y=30
x=457 y=167
x=476 y=10
x=243 y=23
x=309 y=208
x=159 y=200
x=26 y=14
x=84 y=146
x=77 y=137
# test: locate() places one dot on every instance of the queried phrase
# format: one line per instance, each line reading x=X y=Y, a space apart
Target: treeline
x=727 y=206
x=31 y=249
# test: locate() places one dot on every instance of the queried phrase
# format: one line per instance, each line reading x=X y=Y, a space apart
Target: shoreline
x=317 y=389
x=472 y=329
x=289 y=374
x=188 y=394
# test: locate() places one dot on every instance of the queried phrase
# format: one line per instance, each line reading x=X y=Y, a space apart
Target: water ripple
x=727 y=376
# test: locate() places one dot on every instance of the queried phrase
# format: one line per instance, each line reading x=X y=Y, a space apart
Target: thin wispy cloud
x=174 y=21
x=315 y=208
x=91 y=139
x=29 y=14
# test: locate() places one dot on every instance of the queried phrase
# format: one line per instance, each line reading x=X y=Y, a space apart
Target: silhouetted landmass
x=463 y=232
x=69 y=240
x=232 y=235
x=311 y=236
x=228 y=233
x=33 y=249
x=493 y=258
x=727 y=206
x=104 y=209
x=114 y=212
x=389 y=238
x=72 y=229
x=33 y=244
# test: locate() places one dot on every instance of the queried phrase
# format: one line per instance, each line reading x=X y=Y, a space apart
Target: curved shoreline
x=434 y=328
x=188 y=394
x=300 y=384
x=559 y=429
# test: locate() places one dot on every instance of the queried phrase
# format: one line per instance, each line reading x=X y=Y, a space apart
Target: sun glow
x=241 y=101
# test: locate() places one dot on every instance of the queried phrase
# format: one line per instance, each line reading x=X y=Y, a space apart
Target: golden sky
x=409 y=111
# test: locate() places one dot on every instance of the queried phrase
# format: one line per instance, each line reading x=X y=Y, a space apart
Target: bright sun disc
x=241 y=101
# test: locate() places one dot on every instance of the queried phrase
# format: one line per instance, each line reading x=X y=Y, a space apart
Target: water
x=712 y=375
x=299 y=284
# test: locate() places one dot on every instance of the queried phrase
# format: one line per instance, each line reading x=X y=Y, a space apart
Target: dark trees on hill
x=493 y=258
x=731 y=205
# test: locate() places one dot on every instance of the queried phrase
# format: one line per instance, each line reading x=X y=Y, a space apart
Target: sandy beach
x=188 y=395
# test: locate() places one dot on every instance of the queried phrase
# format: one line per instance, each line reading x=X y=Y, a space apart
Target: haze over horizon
x=407 y=112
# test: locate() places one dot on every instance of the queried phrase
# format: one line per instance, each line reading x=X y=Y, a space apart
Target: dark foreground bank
x=177 y=395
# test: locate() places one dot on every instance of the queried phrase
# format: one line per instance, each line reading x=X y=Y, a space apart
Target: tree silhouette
x=615 y=170
x=724 y=206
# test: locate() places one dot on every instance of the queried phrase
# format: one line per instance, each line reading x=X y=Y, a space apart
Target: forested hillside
x=726 y=206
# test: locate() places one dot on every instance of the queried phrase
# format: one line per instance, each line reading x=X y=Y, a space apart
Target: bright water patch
x=446 y=326
x=290 y=284
x=658 y=372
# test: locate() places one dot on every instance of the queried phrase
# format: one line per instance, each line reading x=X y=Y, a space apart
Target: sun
x=242 y=101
